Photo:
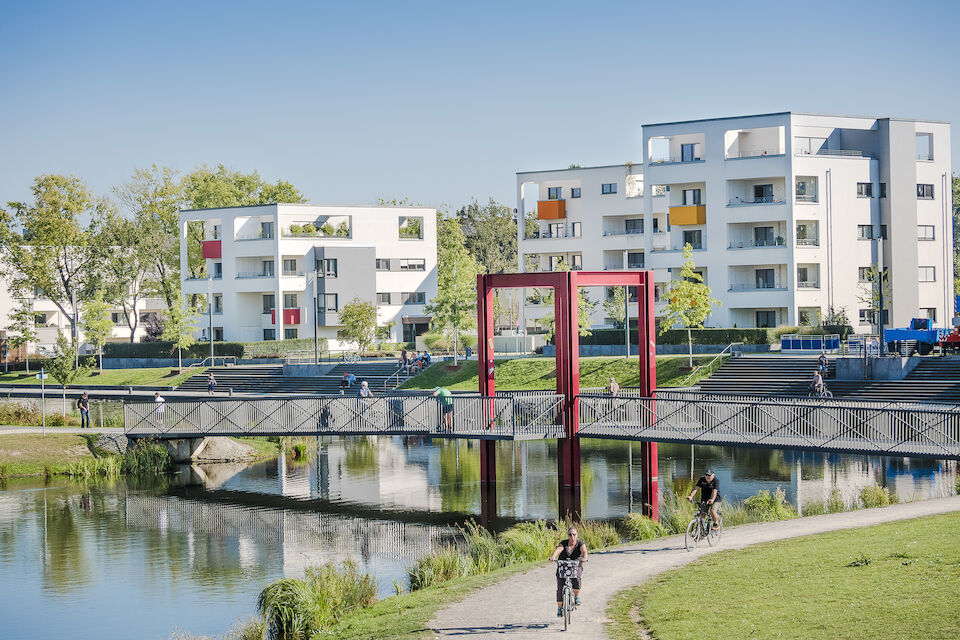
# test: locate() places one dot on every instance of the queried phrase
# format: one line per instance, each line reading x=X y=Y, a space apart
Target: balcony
x=688 y=215
x=249 y=275
x=754 y=153
x=290 y=316
x=738 y=202
x=545 y=235
x=808 y=284
x=551 y=209
x=258 y=235
x=211 y=249
x=775 y=285
x=754 y=244
x=808 y=242
x=680 y=159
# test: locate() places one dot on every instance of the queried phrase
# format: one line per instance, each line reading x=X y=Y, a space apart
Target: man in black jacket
x=709 y=494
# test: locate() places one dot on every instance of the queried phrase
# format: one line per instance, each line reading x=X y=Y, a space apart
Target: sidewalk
x=524 y=606
x=114 y=431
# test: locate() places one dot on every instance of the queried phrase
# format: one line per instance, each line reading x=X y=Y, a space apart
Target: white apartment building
x=291 y=254
x=786 y=213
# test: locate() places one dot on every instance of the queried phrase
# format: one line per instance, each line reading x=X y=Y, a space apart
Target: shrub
x=639 y=527
x=446 y=564
x=529 y=541
x=675 y=511
x=767 y=507
x=295 y=229
x=292 y=608
x=299 y=451
x=19 y=414
x=147 y=457
x=814 y=509
x=596 y=535
x=309 y=229
x=679 y=336
x=836 y=503
x=3 y=472
x=877 y=496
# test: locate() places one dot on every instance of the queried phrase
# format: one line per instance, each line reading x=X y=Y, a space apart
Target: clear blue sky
x=442 y=101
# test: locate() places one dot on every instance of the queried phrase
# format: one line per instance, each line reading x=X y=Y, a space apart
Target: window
x=217 y=270
x=865 y=232
x=40 y=319
x=414 y=297
x=289 y=334
x=928 y=274
x=806 y=188
x=555 y=230
x=608 y=187
x=865 y=274
x=695 y=278
x=766 y=319
x=290 y=301
x=883 y=231
x=807 y=234
x=866 y=316
x=269 y=302
x=694 y=238
x=289 y=266
x=807 y=317
x=218 y=334
x=656 y=225
x=266 y=230
x=330 y=302
x=216 y=232
x=116 y=317
x=267 y=268
x=330 y=267
x=657 y=292
x=924 y=192
x=576 y=261
x=765 y=278
x=413 y=264
x=691 y=197
x=555 y=262
x=925 y=146
x=410 y=228
x=803 y=274
x=883 y=189
x=635 y=260
x=763 y=193
x=576 y=229
x=383 y=264
x=218 y=303
x=864 y=189
x=554 y=193
x=383 y=298
x=763 y=236
x=929 y=312
x=688 y=152
x=925 y=232
x=269 y=334
x=634 y=225
x=659 y=190
x=575 y=192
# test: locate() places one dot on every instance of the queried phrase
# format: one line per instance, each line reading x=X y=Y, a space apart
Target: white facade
x=258 y=256
x=784 y=210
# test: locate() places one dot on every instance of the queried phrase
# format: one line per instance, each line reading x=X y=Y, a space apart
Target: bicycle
x=702 y=527
x=821 y=394
x=350 y=357
x=567 y=570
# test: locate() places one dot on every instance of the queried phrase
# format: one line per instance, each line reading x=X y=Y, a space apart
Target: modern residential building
x=786 y=213
x=261 y=257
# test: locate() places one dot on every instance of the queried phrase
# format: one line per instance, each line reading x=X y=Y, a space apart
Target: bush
x=814 y=509
x=292 y=608
x=767 y=507
x=108 y=467
x=147 y=457
x=265 y=349
x=640 y=527
x=675 y=511
x=309 y=229
x=446 y=564
x=295 y=229
x=836 y=503
x=877 y=496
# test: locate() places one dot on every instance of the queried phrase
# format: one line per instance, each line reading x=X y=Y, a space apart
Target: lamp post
x=210 y=315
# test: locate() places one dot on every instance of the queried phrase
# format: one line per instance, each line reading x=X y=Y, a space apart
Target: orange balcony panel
x=290 y=316
x=211 y=249
x=690 y=214
x=551 y=209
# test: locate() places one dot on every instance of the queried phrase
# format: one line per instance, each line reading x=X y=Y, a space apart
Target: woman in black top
x=570 y=549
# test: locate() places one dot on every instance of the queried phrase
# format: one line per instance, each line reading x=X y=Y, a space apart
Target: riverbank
x=883 y=578
x=540 y=373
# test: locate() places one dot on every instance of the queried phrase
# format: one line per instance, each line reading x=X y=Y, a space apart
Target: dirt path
x=523 y=606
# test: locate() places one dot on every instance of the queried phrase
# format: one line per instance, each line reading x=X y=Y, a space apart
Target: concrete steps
x=270 y=379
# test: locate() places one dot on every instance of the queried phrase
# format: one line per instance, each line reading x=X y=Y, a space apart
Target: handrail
x=709 y=364
x=203 y=363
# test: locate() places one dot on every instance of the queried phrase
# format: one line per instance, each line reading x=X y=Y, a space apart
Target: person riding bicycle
x=817 y=383
x=709 y=487
x=570 y=549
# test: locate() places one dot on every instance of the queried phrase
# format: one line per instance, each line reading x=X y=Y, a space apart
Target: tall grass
x=638 y=527
x=3 y=472
x=294 y=609
x=877 y=496
x=147 y=457
x=763 y=507
x=107 y=467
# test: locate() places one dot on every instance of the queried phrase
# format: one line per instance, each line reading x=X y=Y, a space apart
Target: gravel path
x=523 y=606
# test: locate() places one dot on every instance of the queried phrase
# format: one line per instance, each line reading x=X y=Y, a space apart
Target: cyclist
x=570 y=549
x=817 y=383
x=709 y=494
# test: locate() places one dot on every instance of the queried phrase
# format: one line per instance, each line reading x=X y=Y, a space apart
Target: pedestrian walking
x=159 y=401
x=211 y=383
x=83 y=404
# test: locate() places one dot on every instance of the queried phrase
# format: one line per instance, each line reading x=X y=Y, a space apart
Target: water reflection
x=193 y=550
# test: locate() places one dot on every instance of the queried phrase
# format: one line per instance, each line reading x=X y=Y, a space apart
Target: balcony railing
x=754 y=153
x=806 y=198
x=850 y=153
x=750 y=244
x=246 y=275
x=633 y=232
x=808 y=242
x=259 y=235
x=538 y=235
x=679 y=247
x=674 y=159
x=293 y=274
x=757 y=286
x=808 y=285
x=925 y=156
x=736 y=202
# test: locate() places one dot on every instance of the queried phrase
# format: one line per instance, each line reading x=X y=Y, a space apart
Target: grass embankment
x=540 y=373
x=156 y=377
x=897 y=579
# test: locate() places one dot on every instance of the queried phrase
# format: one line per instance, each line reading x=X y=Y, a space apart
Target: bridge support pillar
x=568 y=477
x=649 y=493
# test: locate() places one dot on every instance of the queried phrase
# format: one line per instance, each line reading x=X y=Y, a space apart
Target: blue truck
x=918 y=338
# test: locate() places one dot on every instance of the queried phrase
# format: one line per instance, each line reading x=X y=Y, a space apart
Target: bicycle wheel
x=713 y=537
x=828 y=394
x=692 y=537
x=567 y=607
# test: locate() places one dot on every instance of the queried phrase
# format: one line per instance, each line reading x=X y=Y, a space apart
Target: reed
x=639 y=527
x=877 y=496
x=108 y=467
x=147 y=457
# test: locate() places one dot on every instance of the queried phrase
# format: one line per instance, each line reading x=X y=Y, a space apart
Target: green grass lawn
x=897 y=580
x=540 y=373
x=27 y=454
x=134 y=377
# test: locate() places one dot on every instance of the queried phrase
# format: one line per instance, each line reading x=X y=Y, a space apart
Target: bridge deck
x=913 y=429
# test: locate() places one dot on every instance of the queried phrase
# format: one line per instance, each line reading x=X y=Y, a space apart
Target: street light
x=316 y=312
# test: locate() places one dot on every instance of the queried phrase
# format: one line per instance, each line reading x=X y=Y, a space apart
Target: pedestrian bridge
x=907 y=429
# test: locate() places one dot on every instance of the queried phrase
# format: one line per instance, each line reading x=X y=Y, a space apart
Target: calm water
x=117 y=560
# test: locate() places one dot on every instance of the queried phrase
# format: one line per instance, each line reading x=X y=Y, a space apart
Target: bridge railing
x=914 y=429
x=518 y=416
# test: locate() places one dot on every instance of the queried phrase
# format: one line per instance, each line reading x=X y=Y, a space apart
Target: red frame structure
x=567 y=340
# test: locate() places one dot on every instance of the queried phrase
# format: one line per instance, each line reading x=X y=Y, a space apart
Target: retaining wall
x=662 y=349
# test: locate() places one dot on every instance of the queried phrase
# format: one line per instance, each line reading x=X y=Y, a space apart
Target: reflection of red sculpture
x=567 y=339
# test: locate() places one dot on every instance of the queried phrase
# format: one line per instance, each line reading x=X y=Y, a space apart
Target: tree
x=956 y=235
x=178 y=327
x=54 y=256
x=126 y=264
x=153 y=198
x=23 y=325
x=97 y=325
x=359 y=320
x=585 y=307
x=869 y=291
x=62 y=367
x=454 y=307
x=491 y=235
x=689 y=302
x=615 y=306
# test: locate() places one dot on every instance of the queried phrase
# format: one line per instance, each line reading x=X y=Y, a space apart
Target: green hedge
x=265 y=349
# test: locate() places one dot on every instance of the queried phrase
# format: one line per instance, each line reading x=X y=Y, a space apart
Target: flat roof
x=792 y=113
x=599 y=166
x=307 y=204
